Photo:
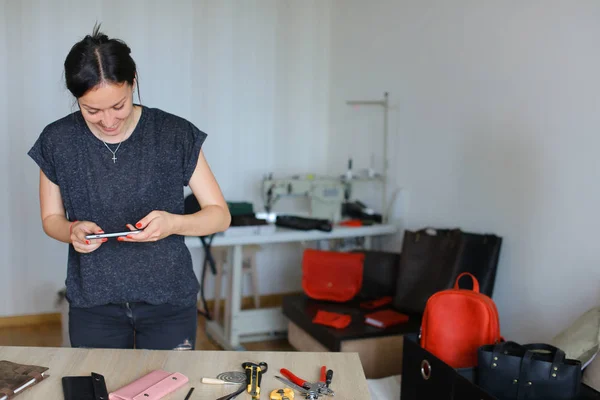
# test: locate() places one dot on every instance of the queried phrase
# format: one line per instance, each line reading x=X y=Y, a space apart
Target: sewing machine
x=326 y=194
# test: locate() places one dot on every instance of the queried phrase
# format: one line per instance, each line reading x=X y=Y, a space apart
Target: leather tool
x=232 y=377
x=253 y=377
x=310 y=390
x=213 y=381
x=282 y=394
x=187 y=397
x=241 y=378
x=233 y=395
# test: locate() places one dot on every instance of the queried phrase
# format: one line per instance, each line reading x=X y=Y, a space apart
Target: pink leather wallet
x=153 y=386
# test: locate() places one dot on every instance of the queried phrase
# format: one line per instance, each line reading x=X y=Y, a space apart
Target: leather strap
x=7 y=392
x=100 y=391
x=557 y=360
x=524 y=382
x=503 y=348
x=475 y=282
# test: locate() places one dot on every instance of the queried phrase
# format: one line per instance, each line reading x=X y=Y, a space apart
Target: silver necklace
x=114 y=153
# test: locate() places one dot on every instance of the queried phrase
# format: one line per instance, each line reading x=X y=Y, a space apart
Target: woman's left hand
x=156 y=225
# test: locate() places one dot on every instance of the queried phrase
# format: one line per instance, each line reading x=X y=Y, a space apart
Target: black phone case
x=85 y=387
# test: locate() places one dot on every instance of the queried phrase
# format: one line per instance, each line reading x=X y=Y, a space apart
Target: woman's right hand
x=79 y=230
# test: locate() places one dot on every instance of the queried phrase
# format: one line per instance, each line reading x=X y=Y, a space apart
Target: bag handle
x=503 y=348
x=475 y=282
x=524 y=382
x=558 y=356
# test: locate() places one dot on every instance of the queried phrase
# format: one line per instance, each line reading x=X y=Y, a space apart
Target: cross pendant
x=114 y=158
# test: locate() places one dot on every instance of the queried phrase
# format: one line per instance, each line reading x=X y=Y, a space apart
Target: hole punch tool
x=310 y=390
x=253 y=377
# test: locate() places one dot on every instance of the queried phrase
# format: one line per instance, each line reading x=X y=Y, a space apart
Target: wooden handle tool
x=213 y=381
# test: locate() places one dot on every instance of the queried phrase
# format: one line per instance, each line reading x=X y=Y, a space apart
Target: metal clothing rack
x=385 y=105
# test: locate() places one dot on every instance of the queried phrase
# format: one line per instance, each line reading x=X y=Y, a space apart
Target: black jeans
x=134 y=325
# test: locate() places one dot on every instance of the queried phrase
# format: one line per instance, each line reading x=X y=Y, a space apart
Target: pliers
x=310 y=390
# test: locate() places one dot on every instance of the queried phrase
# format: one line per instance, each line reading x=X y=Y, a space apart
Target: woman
x=116 y=166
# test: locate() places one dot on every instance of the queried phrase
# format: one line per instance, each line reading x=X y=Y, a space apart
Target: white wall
x=5 y=271
x=252 y=74
x=495 y=128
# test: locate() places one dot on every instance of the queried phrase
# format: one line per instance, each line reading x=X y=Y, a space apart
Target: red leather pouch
x=334 y=320
x=330 y=275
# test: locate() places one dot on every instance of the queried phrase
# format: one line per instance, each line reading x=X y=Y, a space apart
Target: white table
x=255 y=325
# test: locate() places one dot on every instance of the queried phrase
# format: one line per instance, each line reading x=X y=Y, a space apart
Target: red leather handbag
x=330 y=275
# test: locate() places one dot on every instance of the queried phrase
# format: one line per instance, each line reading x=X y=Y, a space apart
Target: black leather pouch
x=85 y=387
x=380 y=274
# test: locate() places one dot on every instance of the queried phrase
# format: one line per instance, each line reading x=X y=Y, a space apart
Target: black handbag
x=426 y=266
x=432 y=259
x=510 y=371
x=478 y=254
x=380 y=273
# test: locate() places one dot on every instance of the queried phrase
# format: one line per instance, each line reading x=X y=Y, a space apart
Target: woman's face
x=108 y=107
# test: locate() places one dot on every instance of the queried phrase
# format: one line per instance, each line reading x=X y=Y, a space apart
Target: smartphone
x=110 y=235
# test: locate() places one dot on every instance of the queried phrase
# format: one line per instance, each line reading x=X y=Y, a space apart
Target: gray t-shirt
x=153 y=165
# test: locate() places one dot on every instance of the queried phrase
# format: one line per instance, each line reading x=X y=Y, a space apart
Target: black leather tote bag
x=478 y=254
x=380 y=273
x=510 y=371
x=427 y=264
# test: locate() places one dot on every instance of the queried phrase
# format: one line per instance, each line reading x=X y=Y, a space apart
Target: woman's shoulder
x=167 y=119
x=61 y=128
x=173 y=129
x=170 y=121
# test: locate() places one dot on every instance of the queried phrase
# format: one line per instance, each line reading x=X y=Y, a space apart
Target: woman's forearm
x=57 y=227
x=209 y=220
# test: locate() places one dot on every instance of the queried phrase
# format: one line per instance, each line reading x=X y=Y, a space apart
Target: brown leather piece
x=6 y=392
x=14 y=375
x=37 y=375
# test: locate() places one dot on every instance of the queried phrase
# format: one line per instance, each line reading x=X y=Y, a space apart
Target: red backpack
x=456 y=322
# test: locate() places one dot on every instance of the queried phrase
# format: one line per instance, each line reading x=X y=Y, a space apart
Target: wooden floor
x=50 y=335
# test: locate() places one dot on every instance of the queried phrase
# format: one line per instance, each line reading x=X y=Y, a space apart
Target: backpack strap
x=475 y=282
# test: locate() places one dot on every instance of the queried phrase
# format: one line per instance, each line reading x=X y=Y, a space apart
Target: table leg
x=235 y=294
x=227 y=335
x=227 y=305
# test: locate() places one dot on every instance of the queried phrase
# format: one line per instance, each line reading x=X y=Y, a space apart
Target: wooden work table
x=120 y=367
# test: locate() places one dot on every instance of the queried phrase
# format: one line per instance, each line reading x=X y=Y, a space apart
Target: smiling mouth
x=110 y=128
